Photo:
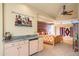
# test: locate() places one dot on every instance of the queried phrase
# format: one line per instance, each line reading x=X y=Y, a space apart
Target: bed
x=50 y=39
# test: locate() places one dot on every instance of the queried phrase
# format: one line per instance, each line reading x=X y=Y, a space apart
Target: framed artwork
x=66 y=31
x=21 y=20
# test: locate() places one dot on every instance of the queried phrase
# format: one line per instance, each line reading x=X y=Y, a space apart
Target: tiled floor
x=60 y=49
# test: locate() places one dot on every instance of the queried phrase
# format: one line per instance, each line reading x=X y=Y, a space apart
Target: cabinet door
x=40 y=44
x=33 y=46
x=11 y=51
x=23 y=49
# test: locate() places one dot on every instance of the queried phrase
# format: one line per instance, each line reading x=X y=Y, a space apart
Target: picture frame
x=22 y=20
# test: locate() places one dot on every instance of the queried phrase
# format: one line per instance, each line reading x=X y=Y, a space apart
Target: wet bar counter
x=23 y=45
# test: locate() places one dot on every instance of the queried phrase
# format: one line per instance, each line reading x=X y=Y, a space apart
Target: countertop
x=22 y=38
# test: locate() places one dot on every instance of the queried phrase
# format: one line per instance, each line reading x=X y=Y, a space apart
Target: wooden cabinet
x=40 y=45
x=33 y=46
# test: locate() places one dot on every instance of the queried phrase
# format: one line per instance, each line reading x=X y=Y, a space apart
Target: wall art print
x=66 y=31
x=21 y=20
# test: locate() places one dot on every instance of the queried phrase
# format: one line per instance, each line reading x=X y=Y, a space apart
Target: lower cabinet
x=33 y=46
x=23 y=50
x=16 y=49
x=11 y=51
x=40 y=44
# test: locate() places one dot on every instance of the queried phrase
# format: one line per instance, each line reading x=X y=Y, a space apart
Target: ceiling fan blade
x=68 y=14
x=64 y=7
x=70 y=11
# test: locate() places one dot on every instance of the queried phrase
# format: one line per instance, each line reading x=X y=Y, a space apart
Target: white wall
x=10 y=19
x=57 y=30
x=1 y=44
x=46 y=19
x=66 y=39
x=23 y=9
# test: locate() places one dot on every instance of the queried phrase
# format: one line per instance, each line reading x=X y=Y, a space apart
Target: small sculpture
x=8 y=36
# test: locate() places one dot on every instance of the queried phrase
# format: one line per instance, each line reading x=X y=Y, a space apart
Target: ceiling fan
x=66 y=12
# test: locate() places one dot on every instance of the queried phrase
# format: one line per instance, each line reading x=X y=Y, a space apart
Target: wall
x=42 y=27
x=1 y=32
x=66 y=39
x=23 y=9
x=45 y=18
x=9 y=19
x=57 y=30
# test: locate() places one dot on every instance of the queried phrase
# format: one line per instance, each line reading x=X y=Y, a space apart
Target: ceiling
x=53 y=9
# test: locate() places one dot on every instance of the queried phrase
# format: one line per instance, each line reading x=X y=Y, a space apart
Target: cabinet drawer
x=26 y=41
x=7 y=45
